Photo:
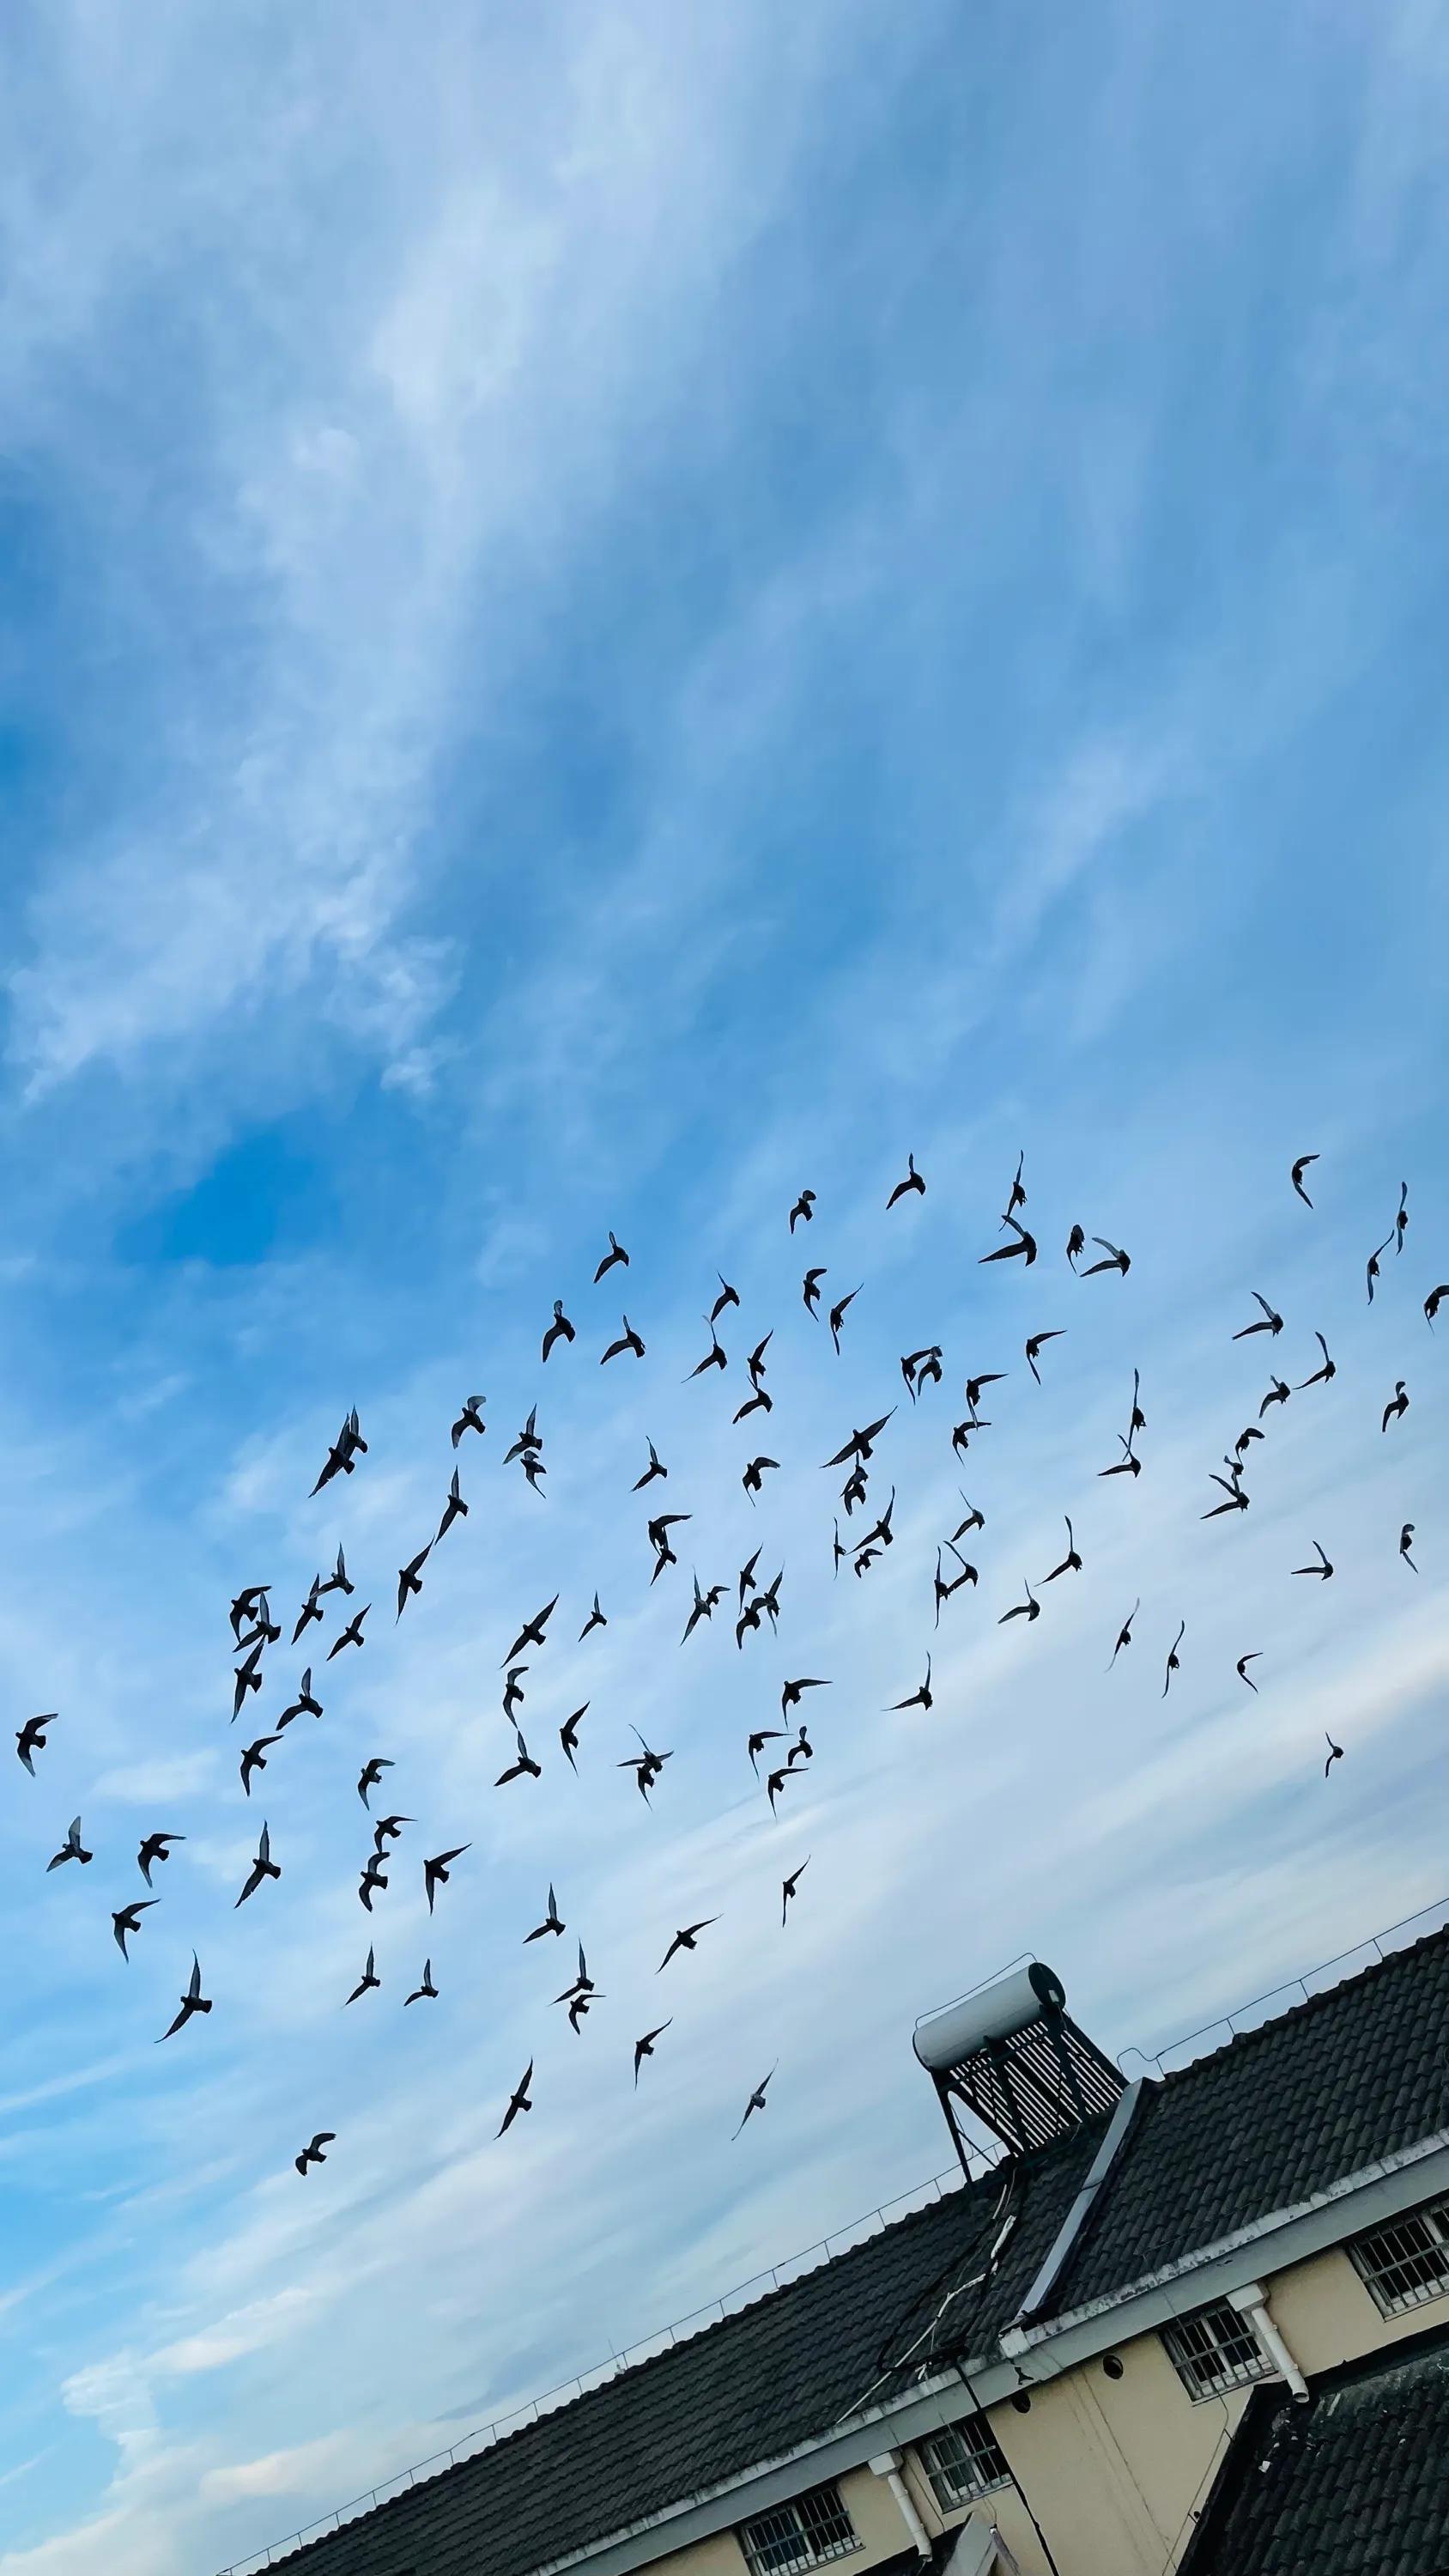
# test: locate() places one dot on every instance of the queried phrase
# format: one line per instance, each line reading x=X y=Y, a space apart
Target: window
x=1215 y=2350
x=1408 y=2262
x=803 y=2533
x=963 y=2462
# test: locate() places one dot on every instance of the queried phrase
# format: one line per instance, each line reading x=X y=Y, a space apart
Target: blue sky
x=600 y=618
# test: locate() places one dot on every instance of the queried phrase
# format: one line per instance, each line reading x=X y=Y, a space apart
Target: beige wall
x=1114 y=2469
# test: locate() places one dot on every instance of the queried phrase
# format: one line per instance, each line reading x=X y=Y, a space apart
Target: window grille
x=1406 y=2262
x=1215 y=2350
x=963 y=2462
x=804 y=2533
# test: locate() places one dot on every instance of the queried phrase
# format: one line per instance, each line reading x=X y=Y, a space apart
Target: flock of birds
x=752 y=1601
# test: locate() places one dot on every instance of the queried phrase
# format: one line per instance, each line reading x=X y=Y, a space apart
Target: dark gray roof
x=1355 y=2483
x=1304 y=2101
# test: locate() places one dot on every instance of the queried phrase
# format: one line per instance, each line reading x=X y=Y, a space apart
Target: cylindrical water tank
x=943 y=2039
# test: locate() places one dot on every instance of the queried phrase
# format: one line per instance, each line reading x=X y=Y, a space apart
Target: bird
x=435 y=1871
x=1117 y=1259
x=775 y=1784
x=552 y=1921
x=753 y=1478
x=1335 y=1753
x=756 y=2101
x=921 y=1698
x=804 y=1209
x=837 y=1551
x=560 y=1330
x=580 y=2008
x=755 y=1744
x=974 y=1385
x=265 y=1632
x=595 y=1619
x=533 y=1468
x=1397 y=1406
x=388 y=1829
x=1076 y=1243
x=426 y=1992
x=1278 y=1393
x=615 y=1257
x=339 y=1458
x=975 y=1520
x=370 y=1776
x=522 y=1766
x=1174 y=1660
x=802 y=1750
x=837 y=1314
x=1030 y=1608
x=912 y=1181
x=1371 y=1267
x=1323 y=1569
x=582 y=1984
x=746 y=1576
x=714 y=1357
x=410 y=1577
x=1296 y=1176
x=193 y=2001
x=455 y=1509
x=685 y=1939
x=645 y=2047
x=1321 y=1376
x=646 y=1767
x=1129 y=1464
x=1034 y=1348
x=628 y=1340
x=882 y=1530
x=755 y=1364
x=1071 y=1563
x=790 y=1693
x=853 y=1491
x=528 y=1439
x=705 y=1606
x=658 y=1535
x=255 y=1759
x=373 y=1877
x=1406 y=1541
x=861 y=1444
x=304 y=1705
x=71 y=1848
x=789 y=1885
x=366 y=1982
x=31 y=1738
x=518 y=2100
x=1252 y=1657
x=262 y=1867
x=1139 y=1418
x=1401 y=1221
x=246 y=1606
x=921 y=1367
x=728 y=1296
x=531 y=1633
x=248 y=1678
x=513 y=1693
x=568 y=1734
x=154 y=1847
x=1237 y=1500
x=1124 y=1633
x=311 y=1609
x=312 y=2154
x=351 y=1635
x=760 y=1402
x=470 y=1418
x=942 y=1590
x=810 y=1290
x=1270 y=1321
x=129 y=1920
x=655 y=1468
x=1024 y=1249
x=770 y=1598
x=1017 y=1195
x=1245 y=1439
x=337 y=1580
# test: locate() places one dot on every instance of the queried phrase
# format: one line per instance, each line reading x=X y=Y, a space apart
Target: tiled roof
x=1300 y=2103
x=1355 y=2483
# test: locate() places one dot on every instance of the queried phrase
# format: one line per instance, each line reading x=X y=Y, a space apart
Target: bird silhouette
x=1023 y=1250
x=1076 y=1243
x=1406 y=1541
x=560 y=1330
x=373 y=1877
x=685 y=1939
x=921 y=1698
x=552 y=1921
x=1335 y=1753
x=263 y=1867
x=521 y=1767
x=705 y=1606
x=789 y=1885
x=1035 y=1346
x=654 y=1468
x=532 y=1633
x=1252 y=1657
x=470 y=1418
x=435 y=1871
x=1434 y=1301
x=1371 y=1267
x=728 y=1296
x=513 y=1692
x=337 y=1580
x=311 y=1609
x=803 y=1209
x=615 y=1257
x=30 y=1739
x=71 y=1848
x=1071 y=1563
x=753 y=1479
x=410 y=1577
x=1116 y=1260
x=304 y=1705
x=645 y=2047
x=1030 y=1608
x=153 y=1848
x=312 y=2154
x=791 y=1692
x=366 y=1983
x=810 y=1290
x=1124 y=1634
x=129 y=1920
x=837 y=1314
x=1322 y=1569
x=628 y=1340
x=370 y=1776
x=1174 y=1660
x=1299 y=1168
x=1397 y=1406
x=1324 y=1375
x=756 y=2101
x=568 y=1734
x=528 y=1441
x=1270 y=1321
x=352 y=1634
x=1278 y=1393
x=427 y=1992
x=1401 y=1221
x=912 y=1181
x=454 y=1509
x=248 y=1677
x=193 y=2001
x=518 y=2100
x=255 y=1759
x=595 y=1619
x=714 y=1357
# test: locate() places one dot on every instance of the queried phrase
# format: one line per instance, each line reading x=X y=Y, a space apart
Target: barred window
x=963 y=2462
x=803 y=2533
x=1407 y=2262
x=1215 y=2350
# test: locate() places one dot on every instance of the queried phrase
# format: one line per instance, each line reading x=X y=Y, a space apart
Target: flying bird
x=337 y=1580
x=1017 y=1196
x=533 y=1468
x=1324 y=1375
x=728 y=1296
x=1253 y=1655
x=645 y=2047
x=912 y=1181
x=1278 y=1393
x=71 y=1848
x=370 y=1776
x=366 y=1982
x=714 y=1357
x=582 y=1984
x=455 y=1509
x=513 y=1691
x=804 y=1209
x=531 y=1633
x=470 y=1418
x=262 y=1867
x=685 y=1939
x=1076 y=1243
x=518 y=2100
x=31 y=1738
x=837 y=1314
x=1397 y=1407
x=1401 y=1221
x=1024 y=1249
x=1129 y=1464
x=560 y=1330
x=1322 y=1569
x=921 y=1698
x=568 y=1734
x=1030 y=1608
x=1270 y=1321
x=193 y=2001
x=628 y=1340
x=789 y=1885
x=753 y=1479
x=522 y=1766
x=311 y=1609
x=1035 y=1345
x=1299 y=1168
x=654 y=1468
x=756 y=1743
x=756 y=1361
x=351 y=1635
x=154 y=1847
x=756 y=2101
x=810 y=1290
x=1124 y=1633
x=427 y=1992
x=129 y=1920
x=1406 y=1541
x=1371 y=1268
x=374 y=1876
x=388 y=1830
x=410 y=1577
x=528 y=1440
x=552 y=1921
x=760 y=1402
x=1071 y=1563
x=1335 y=1753
x=770 y=1598
x=313 y=2154
x=861 y=1444
x=247 y=1605
x=304 y=1705
x=975 y=1520
x=1434 y=1301
x=790 y=1694
x=255 y=1759
x=705 y=1606
x=1117 y=1259
x=595 y=1619
x=435 y=1871
x=1174 y=1660
x=1237 y=1500
x=248 y=1678
x=616 y=1256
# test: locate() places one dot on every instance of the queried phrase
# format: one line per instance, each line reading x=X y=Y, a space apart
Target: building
x=1197 y=2323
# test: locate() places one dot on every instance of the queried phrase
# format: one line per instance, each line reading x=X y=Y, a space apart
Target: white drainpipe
x=888 y=2466
x=1251 y=2301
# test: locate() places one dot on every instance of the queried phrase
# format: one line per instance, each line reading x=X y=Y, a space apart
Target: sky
x=604 y=616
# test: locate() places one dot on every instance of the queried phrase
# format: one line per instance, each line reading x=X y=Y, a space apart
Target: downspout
x=888 y=2466
x=1251 y=2301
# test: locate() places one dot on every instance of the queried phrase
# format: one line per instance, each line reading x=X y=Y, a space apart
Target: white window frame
x=972 y=2471
x=1236 y=2368
x=1372 y=2259
x=759 y=2542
